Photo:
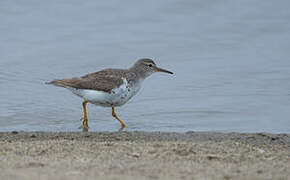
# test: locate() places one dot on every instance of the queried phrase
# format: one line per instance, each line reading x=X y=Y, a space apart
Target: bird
x=109 y=87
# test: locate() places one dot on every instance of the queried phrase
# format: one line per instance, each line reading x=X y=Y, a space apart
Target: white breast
x=117 y=97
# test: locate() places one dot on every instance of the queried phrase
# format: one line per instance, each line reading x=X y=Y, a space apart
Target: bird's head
x=145 y=67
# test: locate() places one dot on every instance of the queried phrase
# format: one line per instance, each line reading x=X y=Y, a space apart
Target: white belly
x=117 y=97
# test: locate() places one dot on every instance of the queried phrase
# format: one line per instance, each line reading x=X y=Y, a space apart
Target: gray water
x=230 y=59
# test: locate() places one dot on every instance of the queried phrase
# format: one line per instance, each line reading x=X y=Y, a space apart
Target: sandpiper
x=109 y=87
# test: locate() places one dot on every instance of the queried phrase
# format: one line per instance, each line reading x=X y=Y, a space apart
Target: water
x=230 y=58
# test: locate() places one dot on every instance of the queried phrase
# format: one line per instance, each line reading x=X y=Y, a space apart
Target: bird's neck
x=141 y=74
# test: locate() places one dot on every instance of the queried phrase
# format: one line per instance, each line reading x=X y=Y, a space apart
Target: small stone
x=261 y=150
x=210 y=157
x=227 y=177
x=35 y=164
x=136 y=155
x=182 y=152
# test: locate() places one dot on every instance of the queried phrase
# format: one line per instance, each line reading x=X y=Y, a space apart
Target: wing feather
x=104 y=80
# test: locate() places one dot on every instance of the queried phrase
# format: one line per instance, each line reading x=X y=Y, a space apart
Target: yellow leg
x=85 y=118
x=115 y=116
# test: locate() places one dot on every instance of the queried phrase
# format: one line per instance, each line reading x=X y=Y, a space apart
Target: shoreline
x=252 y=138
x=144 y=155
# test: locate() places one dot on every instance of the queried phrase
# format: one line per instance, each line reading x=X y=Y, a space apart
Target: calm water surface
x=230 y=58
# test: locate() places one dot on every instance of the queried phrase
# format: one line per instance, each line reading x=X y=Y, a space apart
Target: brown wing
x=104 y=80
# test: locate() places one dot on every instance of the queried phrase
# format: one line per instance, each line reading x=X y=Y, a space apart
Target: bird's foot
x=85 y=129
x=85 y=125
x=122 y=127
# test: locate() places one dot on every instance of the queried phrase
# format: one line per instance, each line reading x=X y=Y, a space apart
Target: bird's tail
x=73 y=82
x=58 y=82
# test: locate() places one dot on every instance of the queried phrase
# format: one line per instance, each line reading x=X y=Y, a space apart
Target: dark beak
x=163 y=70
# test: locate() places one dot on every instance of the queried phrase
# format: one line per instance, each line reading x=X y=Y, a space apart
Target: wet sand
x=144 y=155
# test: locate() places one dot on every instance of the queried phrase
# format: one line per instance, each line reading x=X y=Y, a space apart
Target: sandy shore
x=143 y=155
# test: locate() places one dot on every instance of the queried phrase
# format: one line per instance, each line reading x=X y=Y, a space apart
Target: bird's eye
x=150 y=65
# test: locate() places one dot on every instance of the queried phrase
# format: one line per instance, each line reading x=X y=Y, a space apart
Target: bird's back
x=104 y=80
